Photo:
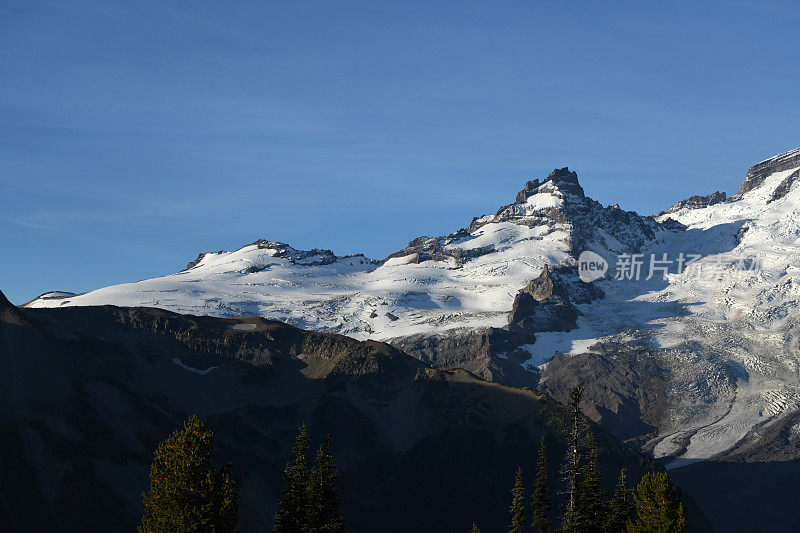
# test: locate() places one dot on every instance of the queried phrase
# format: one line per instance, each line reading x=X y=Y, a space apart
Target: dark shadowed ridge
x=90 y=391
x=10 y=314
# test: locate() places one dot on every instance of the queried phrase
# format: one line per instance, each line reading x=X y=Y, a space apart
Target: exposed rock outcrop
x=697 y=202
x=562 y=178
x=543 y=305
x=425 y=248
x=192 y=264
x=546 y=303
x=756 y=174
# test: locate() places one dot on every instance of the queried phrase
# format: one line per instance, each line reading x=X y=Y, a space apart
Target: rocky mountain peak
x=564 y=180
x=559 y=199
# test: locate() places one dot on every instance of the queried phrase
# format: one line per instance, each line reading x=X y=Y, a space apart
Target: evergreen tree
x=187 y=492
x=572 y=520
x=517 y=504
x=292 y=514
x=621 y=508
x=658 y=506
x=541 y=494
x=475 y=528
x=323 y=500
x=593 y=496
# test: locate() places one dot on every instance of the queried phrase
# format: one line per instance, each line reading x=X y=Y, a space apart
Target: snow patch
x=180 y=363
x=243 y=327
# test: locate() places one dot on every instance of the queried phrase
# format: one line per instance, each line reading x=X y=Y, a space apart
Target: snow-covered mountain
x=722 y=334
x=466 y=279
x=689 y=363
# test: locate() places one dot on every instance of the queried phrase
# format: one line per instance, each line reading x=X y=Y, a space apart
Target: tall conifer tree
x=187 y=492
x=517 y=504
x=621 y=509
x=541 y=494
x=572 y=520
x=593 y=496
x=292 y=515
x=323 y=500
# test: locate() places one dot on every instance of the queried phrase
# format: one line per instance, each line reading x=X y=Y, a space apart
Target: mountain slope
x=88 y=392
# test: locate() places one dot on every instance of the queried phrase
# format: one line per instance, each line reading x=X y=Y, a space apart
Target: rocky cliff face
x=756 y=174
x=546 y=304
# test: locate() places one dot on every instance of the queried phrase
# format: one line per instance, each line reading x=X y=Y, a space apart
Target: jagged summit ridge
x=697 y=201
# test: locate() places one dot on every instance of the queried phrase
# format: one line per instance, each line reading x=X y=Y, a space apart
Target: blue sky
x=134 y=135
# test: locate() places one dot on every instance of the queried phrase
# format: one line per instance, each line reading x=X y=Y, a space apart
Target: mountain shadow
x=88 y=392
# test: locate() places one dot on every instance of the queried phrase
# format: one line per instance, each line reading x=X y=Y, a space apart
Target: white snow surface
x=344 y=295
x=352 y=295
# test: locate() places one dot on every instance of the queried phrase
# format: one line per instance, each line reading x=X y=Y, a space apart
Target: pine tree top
x=658 y=506
x=187 y=492
x=309 y=502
